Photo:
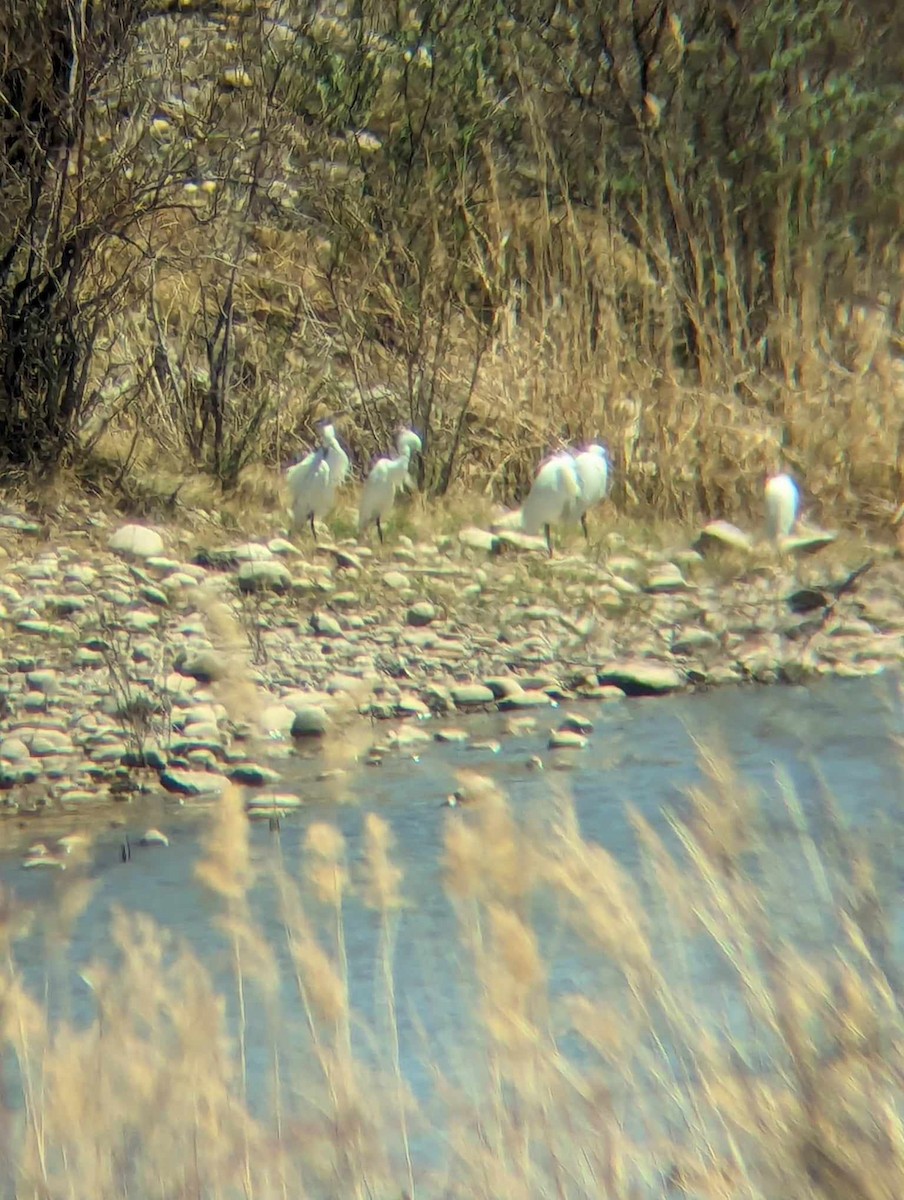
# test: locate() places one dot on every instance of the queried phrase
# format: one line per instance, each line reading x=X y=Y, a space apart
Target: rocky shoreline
x=134 y=659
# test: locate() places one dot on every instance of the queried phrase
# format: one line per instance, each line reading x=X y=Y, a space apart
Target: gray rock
x=142 y=620
x=524 y=699
x=323 y=625
x=808 y=541
x=513 y=539
x=136 y=541
x=455 y=736
x=276 y=719
x=422 y=613
x=345 y=560
x=203 y=665
x=66 y=606
x=272 y=803
x=47 y=742
x=397 y=581
x=576 y=723
x=192 y=783
x=721 y=535
x=249 y=552
x=479 y=539
x=666 y=578
x=253 y=774
x=83 y=657
x=468 y=695
x=153 y=595
x=148 y=756
x=45 y=680
x=14 y=774
x=603 y=692
x=312 y=721
x=19 y=524
x=504 y=685
x=14 y=749
x=268 y=575
x=409 y=706
x=691 y=641
x=190 y=744
x=42 y=628
x=43 y=862
x=153 y=837
x=642 y=677
x=566 y=739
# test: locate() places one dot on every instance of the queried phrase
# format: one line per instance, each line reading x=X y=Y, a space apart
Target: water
x=642 y=757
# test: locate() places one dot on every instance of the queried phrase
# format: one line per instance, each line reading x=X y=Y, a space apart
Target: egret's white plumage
x=592 y=466
x=386 y=477
x=336 y=458
x=782 y=504
x=314 y=481
x=566 y=487
x=552 y=497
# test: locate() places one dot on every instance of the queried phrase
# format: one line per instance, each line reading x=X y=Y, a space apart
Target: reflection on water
x=642 y=757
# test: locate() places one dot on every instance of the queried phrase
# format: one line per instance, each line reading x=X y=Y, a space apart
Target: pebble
x=576 y=723
x=324 y=626
x=642 y=677
x=397 y=581
x=422 y=613
x=136 y=541
x=264 y=575
x=479 y=539
x=265 y=804
x=254 y=775
x=566 y=739
x=153 y=837
x=524 y=699
x=192 y=783
x=64 y=727
x=311 y=721
x=469 y=695
x=666 y=578
x=457 y=736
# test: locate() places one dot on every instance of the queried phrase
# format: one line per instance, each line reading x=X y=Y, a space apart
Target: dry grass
x=591 y=1058
x=501 y=322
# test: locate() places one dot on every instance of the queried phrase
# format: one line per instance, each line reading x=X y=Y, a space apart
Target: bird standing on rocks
x=386 y=477
x=566 y=487
x=782 y=504
x=314 y=482
x=592 y=466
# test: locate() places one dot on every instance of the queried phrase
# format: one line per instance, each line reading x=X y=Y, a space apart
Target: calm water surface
x=641 y=755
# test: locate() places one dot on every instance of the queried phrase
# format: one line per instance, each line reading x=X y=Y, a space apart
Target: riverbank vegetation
x=721 y=1020
x=675 y=226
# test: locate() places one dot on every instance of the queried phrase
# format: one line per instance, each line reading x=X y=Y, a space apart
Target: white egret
x=553 y=496
x=386 y=477
x=782 y=504
x=314 y=481
x=592 y=467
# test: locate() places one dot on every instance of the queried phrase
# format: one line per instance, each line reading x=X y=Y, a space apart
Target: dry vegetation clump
x=723 y=1021
x=675 y=227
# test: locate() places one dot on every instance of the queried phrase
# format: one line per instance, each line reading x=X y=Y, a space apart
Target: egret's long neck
x=401 y=462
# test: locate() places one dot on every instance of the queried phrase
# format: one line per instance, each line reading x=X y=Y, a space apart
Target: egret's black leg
x=380 y=530
x=584 y=526
x=313 y=530
x=549 y=540
x=126 y=849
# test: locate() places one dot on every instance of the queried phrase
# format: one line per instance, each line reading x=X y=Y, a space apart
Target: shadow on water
x=641 y=756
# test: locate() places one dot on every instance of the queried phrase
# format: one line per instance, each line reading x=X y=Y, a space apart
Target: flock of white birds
x=566 y=487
